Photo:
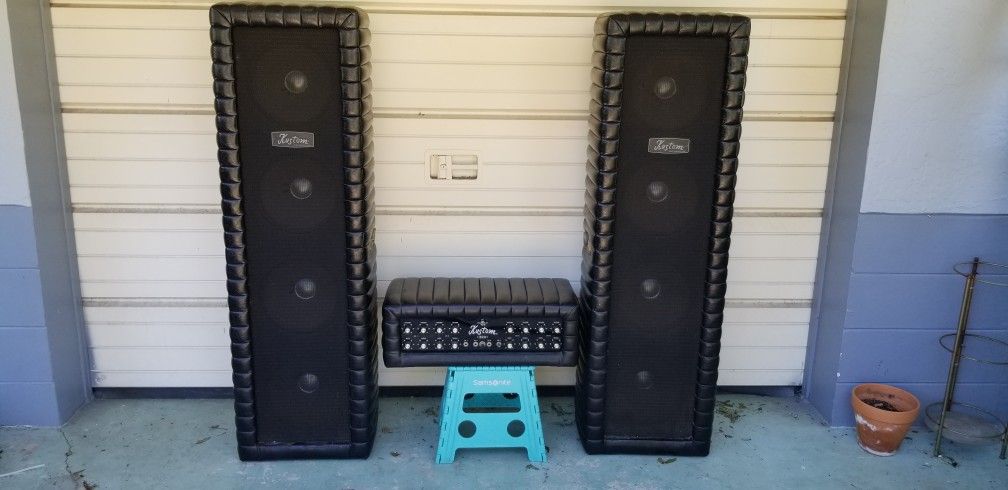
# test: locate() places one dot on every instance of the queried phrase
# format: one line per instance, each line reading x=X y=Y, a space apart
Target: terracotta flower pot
x=883 y=414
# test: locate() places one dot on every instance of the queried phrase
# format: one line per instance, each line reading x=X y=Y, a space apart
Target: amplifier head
x=479 y=322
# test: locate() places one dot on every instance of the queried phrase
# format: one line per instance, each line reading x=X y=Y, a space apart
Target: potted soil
x=883 y=415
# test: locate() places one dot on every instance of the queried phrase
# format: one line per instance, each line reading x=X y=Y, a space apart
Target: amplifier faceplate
x=481 y=335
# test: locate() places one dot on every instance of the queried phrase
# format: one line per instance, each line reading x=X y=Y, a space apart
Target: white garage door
x=136 y=92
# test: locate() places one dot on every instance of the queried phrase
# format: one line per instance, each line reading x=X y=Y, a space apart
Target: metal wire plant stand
x=963 y=422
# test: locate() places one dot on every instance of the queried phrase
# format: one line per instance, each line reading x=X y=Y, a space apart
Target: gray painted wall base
x=855 y=103
x=43 y=359
x=904 y=295
x=27 y=392
x=33 y=404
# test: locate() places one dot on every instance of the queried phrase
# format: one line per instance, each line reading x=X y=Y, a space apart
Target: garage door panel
x=508 y=80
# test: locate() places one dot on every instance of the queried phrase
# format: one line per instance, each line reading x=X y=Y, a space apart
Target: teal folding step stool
x=490 y=407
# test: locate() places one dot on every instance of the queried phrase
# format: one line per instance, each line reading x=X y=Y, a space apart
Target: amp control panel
x=481 y=335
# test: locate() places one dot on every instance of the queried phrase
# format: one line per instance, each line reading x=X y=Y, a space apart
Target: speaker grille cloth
x=294 y=231
x=662 y=230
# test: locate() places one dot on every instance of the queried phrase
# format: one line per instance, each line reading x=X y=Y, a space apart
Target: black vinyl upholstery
x=357 y=170
x=606 y=118
x=473 y=299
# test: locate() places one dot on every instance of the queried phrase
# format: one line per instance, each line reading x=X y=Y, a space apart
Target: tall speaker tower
x=293 y=103
x=667 y=92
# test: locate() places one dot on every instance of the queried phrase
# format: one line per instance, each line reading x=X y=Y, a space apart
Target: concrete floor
x=760 y=442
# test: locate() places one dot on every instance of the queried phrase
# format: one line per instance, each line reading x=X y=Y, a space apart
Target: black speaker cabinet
x=666 y=106
x=293 y=103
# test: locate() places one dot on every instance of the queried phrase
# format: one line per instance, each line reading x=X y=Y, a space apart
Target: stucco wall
x=13 y=178
x=939 y=140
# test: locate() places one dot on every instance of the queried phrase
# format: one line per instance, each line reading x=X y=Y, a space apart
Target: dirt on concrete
x=731 y=411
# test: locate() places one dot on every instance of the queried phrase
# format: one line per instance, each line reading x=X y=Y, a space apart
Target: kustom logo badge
x=478 y=331
x=293 y=139
x=668 y=146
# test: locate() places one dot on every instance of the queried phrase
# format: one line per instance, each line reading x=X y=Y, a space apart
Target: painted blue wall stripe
x=921 y=301
x=911 y=356
x=927 y=244
x=29 y=404
x=21 y=301
x=903 y=297
x=17 y=247
x=24 y=355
